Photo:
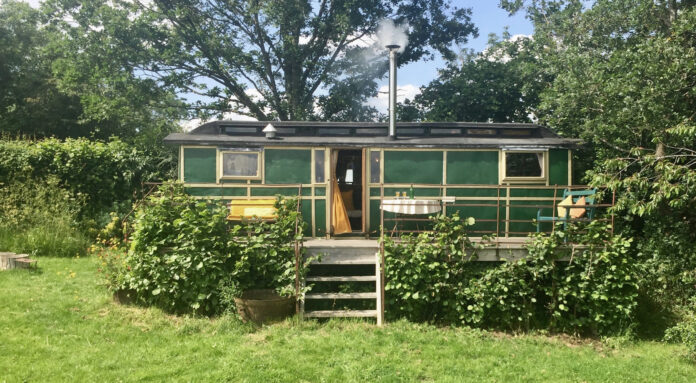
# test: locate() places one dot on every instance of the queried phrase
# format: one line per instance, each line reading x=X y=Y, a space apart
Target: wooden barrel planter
x=264 y=305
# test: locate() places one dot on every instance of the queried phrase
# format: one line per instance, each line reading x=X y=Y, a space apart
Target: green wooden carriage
x=499 y=173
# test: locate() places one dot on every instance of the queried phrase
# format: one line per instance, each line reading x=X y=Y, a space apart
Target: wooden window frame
x=259 y=168
x=544 y=168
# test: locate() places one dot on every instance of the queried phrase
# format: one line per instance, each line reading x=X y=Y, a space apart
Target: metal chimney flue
x=392 y=90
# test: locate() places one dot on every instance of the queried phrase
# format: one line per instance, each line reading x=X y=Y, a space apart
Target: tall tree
x=625 y=82
x=52 y=86
x=279 y=59
x=500 y=84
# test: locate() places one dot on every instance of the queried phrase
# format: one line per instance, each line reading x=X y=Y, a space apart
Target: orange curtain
x=339 y=215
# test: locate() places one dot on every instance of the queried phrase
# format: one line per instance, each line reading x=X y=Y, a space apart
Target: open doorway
x=349 y=176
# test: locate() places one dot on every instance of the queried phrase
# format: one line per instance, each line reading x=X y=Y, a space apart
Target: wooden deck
x=338 y=251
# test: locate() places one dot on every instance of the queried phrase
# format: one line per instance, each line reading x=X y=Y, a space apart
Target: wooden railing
x=505 y=207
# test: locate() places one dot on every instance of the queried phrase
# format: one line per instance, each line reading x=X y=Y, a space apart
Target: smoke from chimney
x=394 y=38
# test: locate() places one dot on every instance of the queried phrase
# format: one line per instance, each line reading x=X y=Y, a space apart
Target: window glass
x=374 y=167
x=319 y=166
x=240 y=164
x=524 y=164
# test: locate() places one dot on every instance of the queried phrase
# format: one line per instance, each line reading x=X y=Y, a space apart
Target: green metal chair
x=590 y=196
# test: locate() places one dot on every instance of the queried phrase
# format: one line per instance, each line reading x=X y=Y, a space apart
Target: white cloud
x=381 y=102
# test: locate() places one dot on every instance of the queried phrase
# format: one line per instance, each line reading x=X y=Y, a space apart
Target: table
x=411 y=206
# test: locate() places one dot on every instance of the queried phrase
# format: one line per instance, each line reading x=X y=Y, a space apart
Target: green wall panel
x=558 y=167
x=374 y=217
x=520 y=212
x=283 y=166
x=204 y=192
x=289 y=191
x=410 y=167
x=306 y=211
x=216 y=192
x=480 y=213
x=200 y=165
x=320 y=217
x=319 y=191
x=476 y=192
x=472 y=168
x=417 y=192
x=534 y=192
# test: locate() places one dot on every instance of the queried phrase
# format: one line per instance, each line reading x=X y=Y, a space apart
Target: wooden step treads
x=341 y=314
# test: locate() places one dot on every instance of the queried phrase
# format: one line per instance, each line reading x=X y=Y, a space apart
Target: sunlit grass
x=60 y=324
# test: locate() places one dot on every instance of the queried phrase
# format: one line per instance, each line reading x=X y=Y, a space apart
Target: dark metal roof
x=372 y=134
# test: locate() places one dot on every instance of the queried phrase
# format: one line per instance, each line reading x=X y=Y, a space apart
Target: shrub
x=102 y=174
x=184 y=258
x=41 y=218
x=685 y=330
x=426 y=273
x=594 y=292
x=179 y=252
x=266 y=254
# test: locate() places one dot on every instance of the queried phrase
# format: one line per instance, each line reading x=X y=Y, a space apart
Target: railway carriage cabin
x=346 y=169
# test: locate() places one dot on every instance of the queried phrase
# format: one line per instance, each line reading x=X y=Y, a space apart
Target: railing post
x=380 y=292
x=497 y=216
x=553 y=208
x=298 y=298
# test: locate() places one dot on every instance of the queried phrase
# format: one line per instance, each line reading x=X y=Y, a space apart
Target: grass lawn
x=59 y=324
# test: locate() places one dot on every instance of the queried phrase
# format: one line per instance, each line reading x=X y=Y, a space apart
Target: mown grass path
x=59 y=324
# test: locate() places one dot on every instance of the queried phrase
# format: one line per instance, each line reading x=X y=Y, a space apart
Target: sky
x=486 y=16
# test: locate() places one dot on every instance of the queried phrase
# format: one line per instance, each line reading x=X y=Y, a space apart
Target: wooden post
x=497 y=217
x=553 y=208
x=380 y=262
x=298 y=298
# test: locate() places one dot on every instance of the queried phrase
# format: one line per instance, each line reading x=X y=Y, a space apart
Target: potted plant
x=263 y=284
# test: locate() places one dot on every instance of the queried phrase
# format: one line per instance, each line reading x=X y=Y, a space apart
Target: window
x=374 y=167
x=319 y=176
x=524 y=165
x=241 y=165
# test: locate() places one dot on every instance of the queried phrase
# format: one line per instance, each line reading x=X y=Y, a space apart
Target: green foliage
x=500 y=84
x=594 y=292
x=685 y=330
x=266 y=254
x=184 y=258
x=179 y=252
x=104 y=175
x=285 y=51
x=588 y=288
x=426 y=273
x=51 y=85
x=40 y=218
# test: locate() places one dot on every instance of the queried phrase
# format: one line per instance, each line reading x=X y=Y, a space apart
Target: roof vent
x=270 y=131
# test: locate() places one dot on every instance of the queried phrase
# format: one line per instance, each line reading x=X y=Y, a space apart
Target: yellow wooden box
x=253 y=208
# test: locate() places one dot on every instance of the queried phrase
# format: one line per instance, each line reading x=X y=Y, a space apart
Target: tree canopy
x=281 y=59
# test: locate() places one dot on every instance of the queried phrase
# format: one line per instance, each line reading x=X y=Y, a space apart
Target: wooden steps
x=342 y=314
x=341 y=258
x=341 y=296
x=353 y=278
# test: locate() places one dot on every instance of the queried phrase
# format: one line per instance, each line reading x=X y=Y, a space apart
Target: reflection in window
x=524 y=164
x=374 y=167
x=319 y=166
x=240 y=165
